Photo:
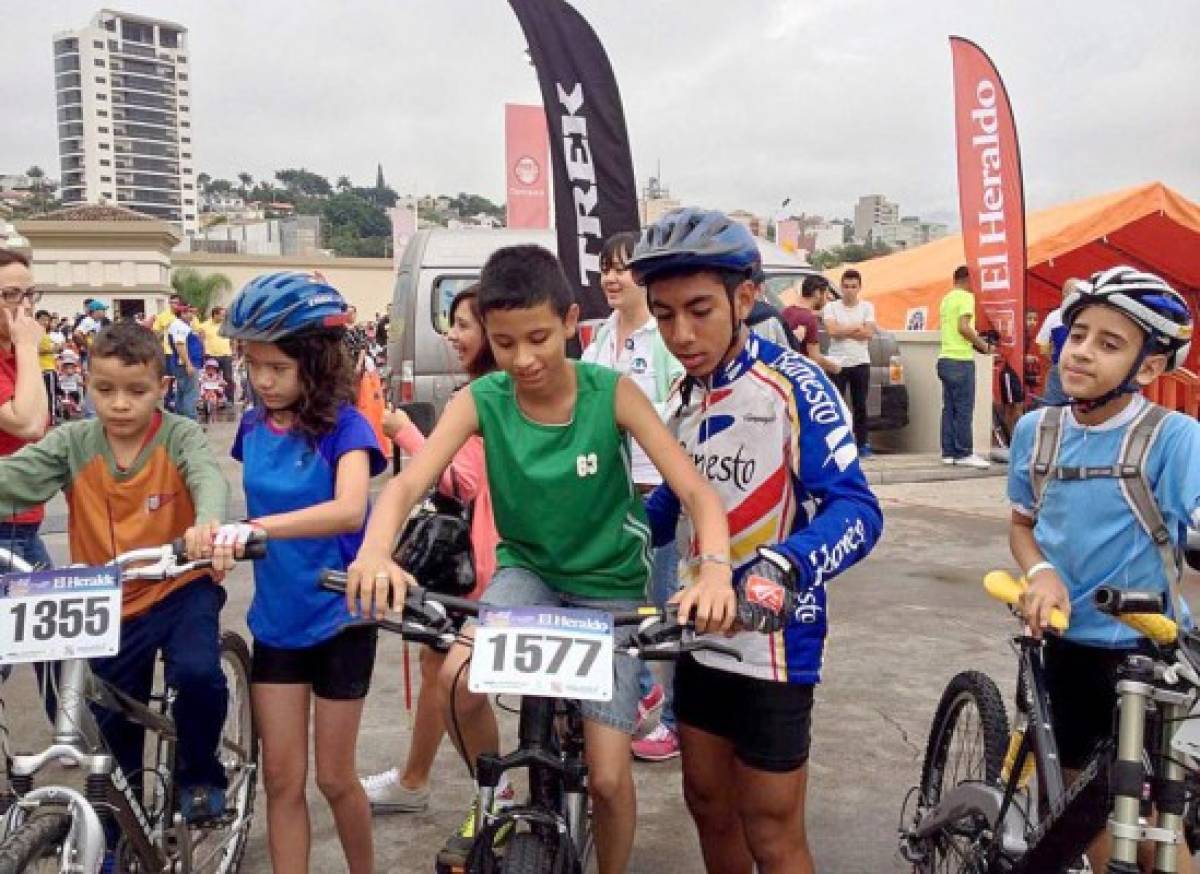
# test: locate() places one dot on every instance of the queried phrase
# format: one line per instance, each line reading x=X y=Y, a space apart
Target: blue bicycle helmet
x=278 y=305
x=694 y=239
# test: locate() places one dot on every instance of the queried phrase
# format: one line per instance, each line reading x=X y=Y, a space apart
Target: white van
x=437 y=265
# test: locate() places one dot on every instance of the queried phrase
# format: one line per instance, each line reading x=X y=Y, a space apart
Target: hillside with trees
x=354 y=221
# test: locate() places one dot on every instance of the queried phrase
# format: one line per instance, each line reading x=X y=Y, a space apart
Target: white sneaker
x=388 y=795
x=973 y=461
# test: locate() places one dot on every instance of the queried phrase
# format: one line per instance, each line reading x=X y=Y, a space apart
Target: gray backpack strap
x=1045 y=451
x=1135 y=449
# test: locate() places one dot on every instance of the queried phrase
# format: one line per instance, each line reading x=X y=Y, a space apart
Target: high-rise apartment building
x=124 y=116
x=873 y=210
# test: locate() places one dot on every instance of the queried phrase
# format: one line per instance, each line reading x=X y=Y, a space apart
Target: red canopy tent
x=1149 y=226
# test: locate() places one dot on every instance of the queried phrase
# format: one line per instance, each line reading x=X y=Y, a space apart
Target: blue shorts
x=518 y=587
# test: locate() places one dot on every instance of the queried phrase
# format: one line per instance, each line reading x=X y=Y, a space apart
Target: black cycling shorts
x=338 y=669
x=768 y=723
x=1082 y=684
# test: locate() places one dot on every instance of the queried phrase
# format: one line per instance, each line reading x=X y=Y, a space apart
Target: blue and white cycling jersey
x=1087 y=529
x=772 y=436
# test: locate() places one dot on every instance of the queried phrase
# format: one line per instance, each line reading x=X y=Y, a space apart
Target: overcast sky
x=744 y=103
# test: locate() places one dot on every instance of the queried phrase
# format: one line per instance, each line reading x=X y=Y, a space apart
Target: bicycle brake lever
x=698 y=644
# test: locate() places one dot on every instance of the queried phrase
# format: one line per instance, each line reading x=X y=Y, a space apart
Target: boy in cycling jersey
x=572 y=527
x=767 y=429
x=1072 y=534
x=136 y=477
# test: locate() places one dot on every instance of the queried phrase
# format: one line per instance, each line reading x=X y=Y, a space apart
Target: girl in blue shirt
x=308 y=456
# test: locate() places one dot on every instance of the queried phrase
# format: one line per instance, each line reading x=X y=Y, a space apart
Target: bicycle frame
x=77 y=737
x=1076 y=813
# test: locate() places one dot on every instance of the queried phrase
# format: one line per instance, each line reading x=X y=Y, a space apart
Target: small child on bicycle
x=136 y=477
x=769 y=432
x=572 y=528
x=1075 y=524
x=70 y=382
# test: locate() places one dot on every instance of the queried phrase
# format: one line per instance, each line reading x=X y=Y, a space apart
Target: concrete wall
x=367 y=283
x=919 y=352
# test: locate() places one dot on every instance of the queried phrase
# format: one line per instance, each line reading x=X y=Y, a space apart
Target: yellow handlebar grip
x=1161 y=629
x=1001 y=586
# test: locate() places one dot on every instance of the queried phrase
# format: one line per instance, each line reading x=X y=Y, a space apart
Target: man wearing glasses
x=23 y=401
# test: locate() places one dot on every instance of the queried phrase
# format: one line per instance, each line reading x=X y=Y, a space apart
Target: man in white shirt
x=183 y=367
x=850 y=323
x=1050 y=339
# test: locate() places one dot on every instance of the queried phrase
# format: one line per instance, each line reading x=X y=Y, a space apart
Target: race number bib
x=550 y=652
x=49 y=616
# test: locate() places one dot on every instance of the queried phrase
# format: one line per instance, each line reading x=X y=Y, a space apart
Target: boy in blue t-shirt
x=1071 y=535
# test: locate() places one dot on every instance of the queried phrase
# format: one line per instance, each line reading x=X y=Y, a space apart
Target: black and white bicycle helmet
x=1160 y=310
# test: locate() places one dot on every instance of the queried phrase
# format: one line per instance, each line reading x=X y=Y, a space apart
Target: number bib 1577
x=48 y=616
x=545 y=651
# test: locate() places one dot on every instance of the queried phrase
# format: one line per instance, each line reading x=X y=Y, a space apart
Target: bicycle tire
x=528 y=853
x=966 y=691
x=38 y=839
x=235 y=660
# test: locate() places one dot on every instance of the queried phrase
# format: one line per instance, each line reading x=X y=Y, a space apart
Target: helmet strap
x=1129 y=385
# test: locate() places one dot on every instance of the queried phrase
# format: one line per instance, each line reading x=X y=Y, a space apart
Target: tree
x=220 y=186
x=344 y=183
x=202 y=180
x=352 y=226
x=304 y=182
x=247 y=180
x=199 y=290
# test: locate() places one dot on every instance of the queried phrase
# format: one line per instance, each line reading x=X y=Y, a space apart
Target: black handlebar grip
x=180 y=550
x=333 y=581
x=256 y=547
x=1119 y=602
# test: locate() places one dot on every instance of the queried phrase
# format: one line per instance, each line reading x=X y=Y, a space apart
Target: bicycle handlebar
x=426 y=619
x=153 y=563
x=1140 y=610
x=1001 y=586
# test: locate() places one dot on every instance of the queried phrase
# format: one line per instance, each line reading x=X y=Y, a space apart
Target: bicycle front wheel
x=218 y=848
x=36 y=845
x=967 y=743
x=528 y=853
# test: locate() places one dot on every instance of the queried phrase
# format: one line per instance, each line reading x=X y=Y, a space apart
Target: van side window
x=445 y=289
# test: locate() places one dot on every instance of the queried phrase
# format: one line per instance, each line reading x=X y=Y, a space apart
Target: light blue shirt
x=1087 y=529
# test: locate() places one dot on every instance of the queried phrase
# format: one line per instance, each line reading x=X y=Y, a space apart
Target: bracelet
x=713 y=558
x=1038 y=568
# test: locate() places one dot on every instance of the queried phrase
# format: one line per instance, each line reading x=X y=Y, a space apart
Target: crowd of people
x=711 y=461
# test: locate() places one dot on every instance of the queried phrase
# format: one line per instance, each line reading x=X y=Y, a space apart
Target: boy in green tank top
x=572 y=528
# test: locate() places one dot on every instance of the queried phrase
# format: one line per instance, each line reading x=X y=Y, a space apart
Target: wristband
x=1038 y=568
x=712 y=558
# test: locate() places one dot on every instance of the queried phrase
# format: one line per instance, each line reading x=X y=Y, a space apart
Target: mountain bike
x=993 y=801
x=60 y=828
x=551 y=832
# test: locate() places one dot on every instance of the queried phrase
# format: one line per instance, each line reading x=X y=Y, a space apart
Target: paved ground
x=902 y=624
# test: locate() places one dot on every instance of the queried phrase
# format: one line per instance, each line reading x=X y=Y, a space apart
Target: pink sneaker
x=648 y=707
x=658 y=746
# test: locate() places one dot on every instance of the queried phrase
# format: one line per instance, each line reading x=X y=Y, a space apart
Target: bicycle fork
x=1137 y=694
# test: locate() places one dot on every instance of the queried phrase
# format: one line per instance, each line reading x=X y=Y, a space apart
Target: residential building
x=870 y=211
x=655 y=202
x=124 y=116
x=291 y=236
x=756 y=224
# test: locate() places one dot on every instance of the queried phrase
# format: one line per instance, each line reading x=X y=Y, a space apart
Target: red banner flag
x=527 y=155
x=991 y=196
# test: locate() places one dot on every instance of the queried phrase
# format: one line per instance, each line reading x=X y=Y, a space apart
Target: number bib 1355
x=72 y=613
x=545 y=651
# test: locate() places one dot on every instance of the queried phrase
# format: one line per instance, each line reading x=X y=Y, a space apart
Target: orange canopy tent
x=1149 y=226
